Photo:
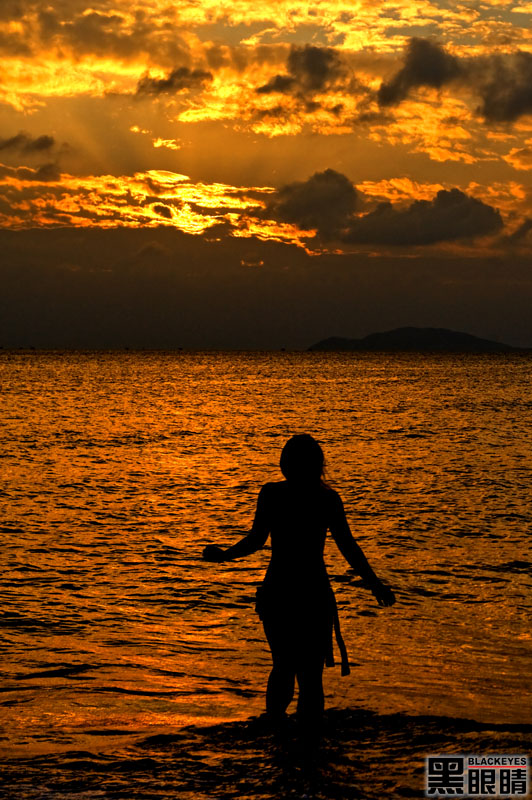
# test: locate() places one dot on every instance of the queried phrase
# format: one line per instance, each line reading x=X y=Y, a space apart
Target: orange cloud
x=152 y=199
x=43 y=198
x=520 y=157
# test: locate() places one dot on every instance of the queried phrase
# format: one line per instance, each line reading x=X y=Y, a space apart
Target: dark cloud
x=47 y=172
x=521 y=233
x=451 y=215
x=177 y=80
x=504 y=83
x=7 y=171
x=11 y=9
x=93 y=32
x=110 y=33
x=14 y=42
x=314 y=67
x=39 y=144
x=163 y=211
x=44 y=174
x=278 y=84
x=325 y=202
x=426 y=63
x=49 y=24
x=14 y=45
x=277 y=112
x=24 y=143
x=70 y=25
x=310 y=69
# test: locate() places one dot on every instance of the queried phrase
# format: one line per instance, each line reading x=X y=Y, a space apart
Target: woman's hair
x=302 y=459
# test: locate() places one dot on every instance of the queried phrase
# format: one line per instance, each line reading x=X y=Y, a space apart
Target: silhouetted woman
x=295 y=601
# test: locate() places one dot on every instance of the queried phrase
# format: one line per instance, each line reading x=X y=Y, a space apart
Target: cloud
x=163 y=211
x=314 y=67
x=426 y=63
x=70 y=30
x=520 y=158
x=451 y=215
x=152 y=199
x=47 y=172
x=104 y=33
x=503 y=81
x=327 y=201
x=310 y=69
x=11 y=10
x=521 y=233
x=278 y=84
x=307 y=213
x=505 y=85
x=176 y=81
x=24 y=143
x=324 y=202
x=14 y=45
x=44 y=174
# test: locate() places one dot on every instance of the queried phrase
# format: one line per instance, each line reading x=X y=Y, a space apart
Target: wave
x=362 y=755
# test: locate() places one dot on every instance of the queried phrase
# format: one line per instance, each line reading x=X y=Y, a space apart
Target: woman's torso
x=298 y=518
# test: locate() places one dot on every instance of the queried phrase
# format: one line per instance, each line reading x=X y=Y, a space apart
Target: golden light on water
x=161 y=639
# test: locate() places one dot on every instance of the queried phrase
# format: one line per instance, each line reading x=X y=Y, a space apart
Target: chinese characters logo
x=476 y=776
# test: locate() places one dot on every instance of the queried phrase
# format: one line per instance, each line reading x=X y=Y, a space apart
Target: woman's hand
x=383 y=594
x=213 y=553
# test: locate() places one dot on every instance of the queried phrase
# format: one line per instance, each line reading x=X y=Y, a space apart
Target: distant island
x=417 y=340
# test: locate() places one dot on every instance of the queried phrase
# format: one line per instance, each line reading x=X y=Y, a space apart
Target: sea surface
x=131 y=668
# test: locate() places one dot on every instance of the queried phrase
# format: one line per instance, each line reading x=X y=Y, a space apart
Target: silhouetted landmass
x=416 y=340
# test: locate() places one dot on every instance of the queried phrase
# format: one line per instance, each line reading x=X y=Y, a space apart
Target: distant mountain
x=416 y=340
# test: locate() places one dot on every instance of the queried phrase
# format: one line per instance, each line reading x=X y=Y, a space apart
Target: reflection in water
x=118 y=468
x=363 y=755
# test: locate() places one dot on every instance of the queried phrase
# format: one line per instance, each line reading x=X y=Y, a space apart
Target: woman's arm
x=353 y=554
x=250 y=543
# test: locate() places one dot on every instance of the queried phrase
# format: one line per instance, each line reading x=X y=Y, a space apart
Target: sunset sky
x=263 y=174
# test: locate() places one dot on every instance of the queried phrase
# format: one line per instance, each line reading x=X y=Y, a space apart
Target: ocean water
x=119 y=644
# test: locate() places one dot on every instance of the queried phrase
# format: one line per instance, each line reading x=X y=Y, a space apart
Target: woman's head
x=302 y=459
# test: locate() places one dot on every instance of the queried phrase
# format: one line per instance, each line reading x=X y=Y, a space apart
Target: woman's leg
x=280 y=691
x=281 y=682
x=310 y=681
